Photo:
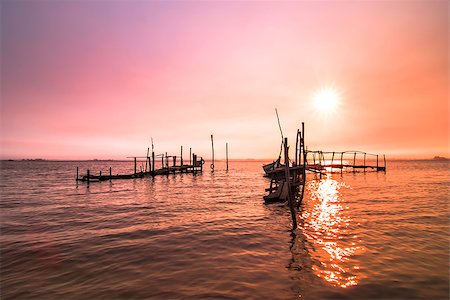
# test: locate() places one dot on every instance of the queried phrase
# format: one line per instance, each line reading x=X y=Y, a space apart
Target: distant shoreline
x=435 y=158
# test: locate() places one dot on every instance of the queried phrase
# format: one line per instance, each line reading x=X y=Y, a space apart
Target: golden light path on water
x=326 y=222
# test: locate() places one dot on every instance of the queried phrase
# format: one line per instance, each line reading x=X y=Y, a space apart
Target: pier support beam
x=226 y=150
x=288 y=184
x=212 y=147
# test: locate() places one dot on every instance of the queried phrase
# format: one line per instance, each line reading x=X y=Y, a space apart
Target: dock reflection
x=326 y=227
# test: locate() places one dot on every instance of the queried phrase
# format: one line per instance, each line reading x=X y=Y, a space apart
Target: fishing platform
x=288 y=179
x=169 y=164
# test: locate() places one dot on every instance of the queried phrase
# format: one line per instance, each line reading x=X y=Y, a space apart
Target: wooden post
x=201 y=165
x=174 y=160
x=147 y=160
x=365 y=162
x=302 y=148
x=88 y=175
x=181 y=156
x=190 y=156
x=76 y=179
x=342 y=163
x=153 y=161
x=212 y=146
x=288 y=183
x=110 y=173
x=167 y=161
x=377 y=162
x=296 y=148
x=162 y=161
x=354 y=161
x=226 y=150
x=384 y=158
x=332 y=159
x=135 y=166
x=100 y=174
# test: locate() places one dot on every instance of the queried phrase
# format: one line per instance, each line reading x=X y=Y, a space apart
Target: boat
x=272 y=166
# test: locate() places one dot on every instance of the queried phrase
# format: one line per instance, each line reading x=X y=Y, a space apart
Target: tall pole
x=153 y=161
x=212 y=146
x=181 y=156
x=288 y=185
x=296 y=147
x=147 y=160
x=226 y=147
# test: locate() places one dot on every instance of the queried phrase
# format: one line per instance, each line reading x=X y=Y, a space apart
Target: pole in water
x=190 y=156
x=135 y=166
x=212 y=146
x=226 y=150
x=147 y=160
x=288 y=184
x=384 y=157
x=181 y=156
x=88 y=175
x=110 y=173
x=76 y=179
x=365 y=162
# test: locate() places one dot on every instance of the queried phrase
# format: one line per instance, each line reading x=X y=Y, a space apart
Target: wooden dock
x=288 y=179
x=338 y=162
x=169 y=165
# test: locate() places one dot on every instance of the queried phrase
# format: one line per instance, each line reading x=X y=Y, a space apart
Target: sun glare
x=326 y=100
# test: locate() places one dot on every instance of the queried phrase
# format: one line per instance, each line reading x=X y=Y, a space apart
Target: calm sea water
x=364 y=236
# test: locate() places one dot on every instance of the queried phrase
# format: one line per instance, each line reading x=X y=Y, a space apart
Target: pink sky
x=98 y=79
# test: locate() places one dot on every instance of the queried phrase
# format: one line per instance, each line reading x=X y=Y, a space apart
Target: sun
x=326 y=100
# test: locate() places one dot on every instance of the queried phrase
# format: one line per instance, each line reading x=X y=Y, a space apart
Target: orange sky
x=98 y=79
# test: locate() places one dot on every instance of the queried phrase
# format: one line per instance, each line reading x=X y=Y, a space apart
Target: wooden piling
x=226 y=151
x=181 y=156
x=110 y=173
x=365 y=162
x=384 y=158
x=377 y=162
x=302 y=148
x=135 y=165
x=332 y=158
x=167 y=161
x=288 y=183
x=153 y=161
x=88 y=175
x=190 y=156
x=212 y=147
x=354 y=162
x=77 y=175
x=296 y=148
x=147 y=160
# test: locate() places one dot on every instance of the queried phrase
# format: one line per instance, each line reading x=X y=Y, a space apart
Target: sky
x=100 y=79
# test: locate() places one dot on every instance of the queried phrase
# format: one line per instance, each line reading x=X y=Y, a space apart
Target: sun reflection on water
x=326 y=223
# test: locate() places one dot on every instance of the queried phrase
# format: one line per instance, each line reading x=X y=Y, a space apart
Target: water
x=365 y=236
